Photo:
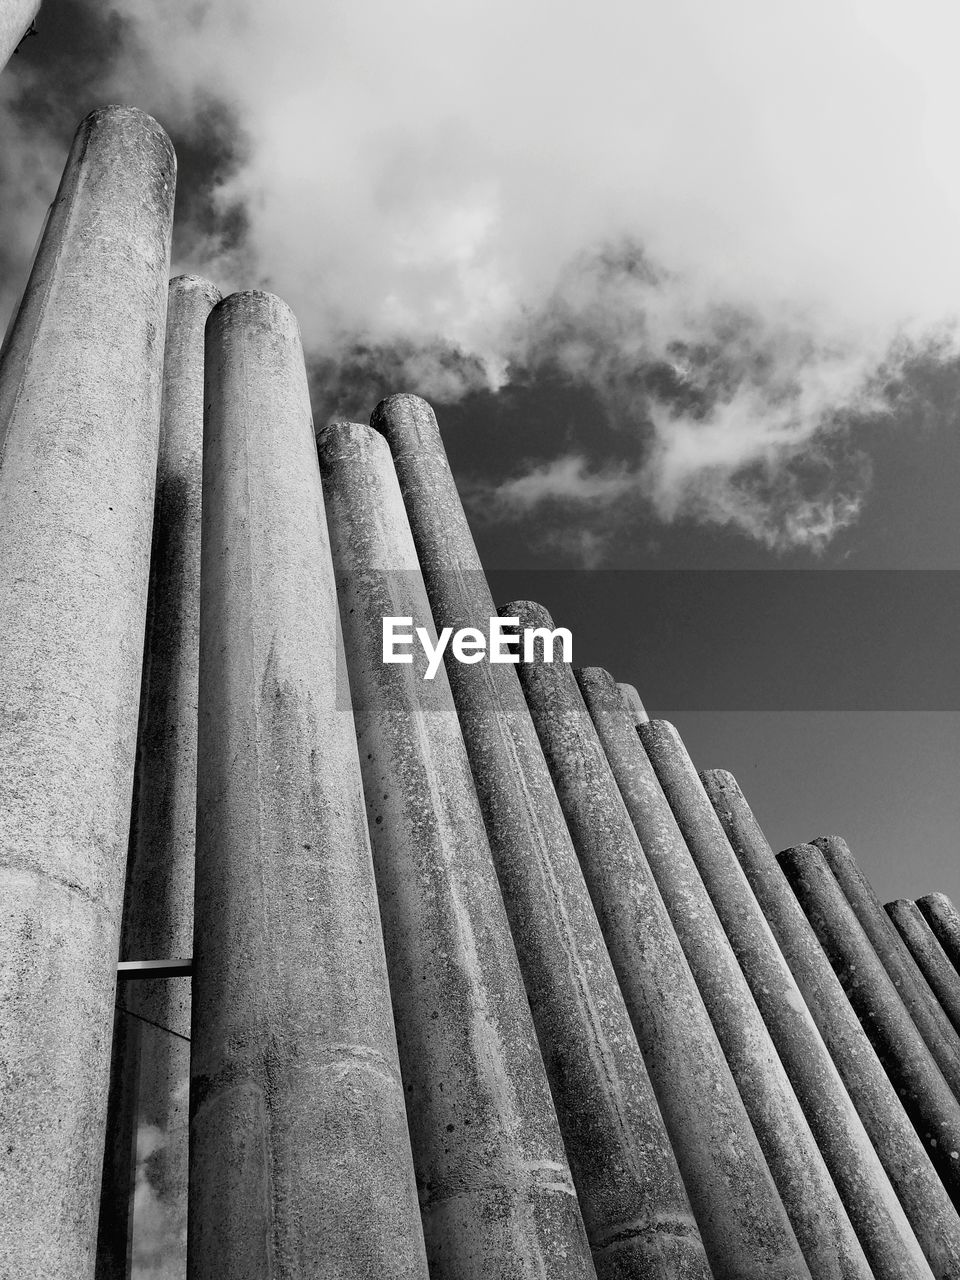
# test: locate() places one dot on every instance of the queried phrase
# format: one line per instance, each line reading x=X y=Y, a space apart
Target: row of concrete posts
x=487 y=980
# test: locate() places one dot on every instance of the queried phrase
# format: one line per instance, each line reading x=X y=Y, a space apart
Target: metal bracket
x=131 y=970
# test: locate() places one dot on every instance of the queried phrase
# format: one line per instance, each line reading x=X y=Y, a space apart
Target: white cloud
x=568 y=480
x=437 y=174
x=159 y=1234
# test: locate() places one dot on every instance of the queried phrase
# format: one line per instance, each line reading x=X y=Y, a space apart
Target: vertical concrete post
x=626 y=1178
x=944 y=920
x=864 y=1188
x=932 y=1023
x=809 y=1195
x=154 y=1065
x=495 y=1191
x=932 y=960
x=79 y=424
x=15 y=19
x=633 y=704
x=300 y=1164
x=742 y=1221
x=927 y=1206
x=899 y=1046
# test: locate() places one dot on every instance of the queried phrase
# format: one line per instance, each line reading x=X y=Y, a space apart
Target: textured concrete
x=944 y=920
x=742 y=1221
x=932 y=1023
x=15 y=19
x=604 y=1102
x=495 y=1191
x=932 y=960
x=924 y=1200
x=158 y=911
x=634 y=705
x=857 y=1173
x=809 y=1195
x=892 y=1032
x=80 y=380
x=300 y=1163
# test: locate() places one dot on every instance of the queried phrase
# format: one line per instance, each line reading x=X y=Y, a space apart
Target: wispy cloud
x=159 y=1242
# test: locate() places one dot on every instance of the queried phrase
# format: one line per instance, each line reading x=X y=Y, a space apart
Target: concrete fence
x=316 y=970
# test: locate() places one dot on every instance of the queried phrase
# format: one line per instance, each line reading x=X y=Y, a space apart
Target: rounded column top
x=594 y=677
x=633 y=703
x=935 y=900
x=131 y=126
x=529 y=612
x=721 y=780
x=806 y=856
x=407 y=421
x=189 y=283
x=254 y=305
x=339 y=435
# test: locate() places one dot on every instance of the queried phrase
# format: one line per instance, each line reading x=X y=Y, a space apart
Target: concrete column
x=932 y=960
x=927 y=1206
x=809 y=1195
x=495 y=1190
x=626 y=1177
x=864 y=1188
x=633 y=704
x=932 y=1023
x=158 y=911
x=80 y=379
x=743 y=1223
x=16 y=17
x=300 y=1164
x=892 y=1032
x=944 y=920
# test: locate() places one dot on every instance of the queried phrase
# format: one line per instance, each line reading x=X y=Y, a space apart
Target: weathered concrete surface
x=495 y=1190
x=742 y=1221
x=932 y=960
x=809 y=1195
x=80 y=381
x=926 y=1204
x=857 y=1173
x=932 y=1023
x=158 y=908
x=300 y=1164
x=604 y=1101
x=892 y=1032
x=944 y=920
x=15 y=19
x=634 y=705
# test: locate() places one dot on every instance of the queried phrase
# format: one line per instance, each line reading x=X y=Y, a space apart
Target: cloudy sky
x=682 y=282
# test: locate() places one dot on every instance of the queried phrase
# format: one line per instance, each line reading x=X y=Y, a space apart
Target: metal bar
x=130 y=970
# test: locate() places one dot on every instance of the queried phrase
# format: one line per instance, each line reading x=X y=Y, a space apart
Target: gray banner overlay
x=744 y=640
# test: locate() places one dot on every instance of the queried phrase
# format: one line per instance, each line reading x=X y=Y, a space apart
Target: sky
x=682 y=282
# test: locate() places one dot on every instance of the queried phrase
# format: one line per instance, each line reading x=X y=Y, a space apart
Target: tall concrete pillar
x=743 y=1223
x=927 y=1206
x=80 y=378
x=809 y=1195
x=495 y=1190
x=626 y=1177
x=16 y=17
x=900 y=1047
x=300 y=1163
x=944 y=920
x=931 y=959
x=154 y=1064
x=864 y=1188
x=932 y=1023
x=634 y=705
